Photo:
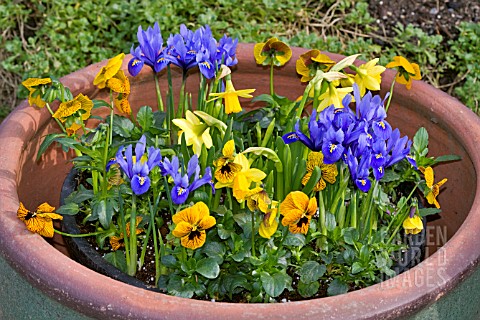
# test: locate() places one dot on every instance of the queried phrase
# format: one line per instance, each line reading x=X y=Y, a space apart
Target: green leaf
x=215 y=250
x=99 y=104
x=316 y=175
x=357 y=267
x=330 y=221
x=122 y=126
x=244 y=220
x=145 y=117
x=69 y=209
x=200 y=195
x=428 y=211
x=169 y=261
x=103 y=210
x=337 y=287
x=307 y=290
x=390 y=176
x=179 y=287
x=49 y=139
x=274 y=285
x=294 y=239
x=208 y=268
x=117 y=258
x=447 y=158
x=420 y=140
x=350 y=235
x=311 y=271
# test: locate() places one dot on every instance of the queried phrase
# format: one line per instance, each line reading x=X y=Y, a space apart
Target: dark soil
x=434 y=17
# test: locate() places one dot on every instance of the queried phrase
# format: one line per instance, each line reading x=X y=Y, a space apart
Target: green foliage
x=466 y=58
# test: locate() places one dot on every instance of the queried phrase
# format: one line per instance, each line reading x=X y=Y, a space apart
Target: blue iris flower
x=359 y=170
x=397 y=148
x=149 y=52
x=333 y=148
x=226 y=51
x=138 y=167
x=316 y=130
x=185 y=184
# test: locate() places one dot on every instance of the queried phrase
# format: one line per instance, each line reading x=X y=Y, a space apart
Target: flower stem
x=253 y=233
x=391 y=93
x=58 y=121
x=159 y=93
x=272 y=92
x=132 y=264
x=72 y=235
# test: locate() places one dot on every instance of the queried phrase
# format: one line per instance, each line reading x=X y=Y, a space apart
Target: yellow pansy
x=79 y=107
x=433 y=188
x=297 y=210
x=311 y=61
x=225 y=168
x=369 y=76
x=329 y=171
x=413 y=225
x=191 y=223
x=39 y=221
x=257 y=198
x=230 y=96
x=269 y=224
x=107 y=72
x=34 y=96
x=196 y=133
x=406 y=71
x=272 y=51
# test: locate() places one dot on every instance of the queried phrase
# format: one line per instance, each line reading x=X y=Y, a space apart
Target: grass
x=42 y=38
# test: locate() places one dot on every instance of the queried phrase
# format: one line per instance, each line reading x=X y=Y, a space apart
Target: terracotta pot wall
x=452 y=129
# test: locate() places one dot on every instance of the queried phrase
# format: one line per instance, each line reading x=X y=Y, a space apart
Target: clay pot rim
x=93 y=294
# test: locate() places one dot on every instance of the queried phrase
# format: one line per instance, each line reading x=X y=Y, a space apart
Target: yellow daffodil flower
x=257 y=198
x=80 y=106
x=191 y=223
x=269 y=224
x=333 y=96
x=107 y=72
x=272 y=51
x=196 y=133
x=230 y=96
x=242 y=180
x=329 y=171
x=369 y=76
x=413 y=225
x=297 y=210
x=35 y=97
x=225 y=168
x=433 y=188
x=39 y=221
x=406 y=71
x=311 y=61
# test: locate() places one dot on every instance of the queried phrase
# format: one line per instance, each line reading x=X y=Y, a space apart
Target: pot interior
x=40 y=181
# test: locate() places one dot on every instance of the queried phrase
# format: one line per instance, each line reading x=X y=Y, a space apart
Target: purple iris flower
x=397 y=148
x=378 y=159
x=149 y=51
x=138 y=167
x=316 y=130
x=359 y=170
x=226 y=52
x=186 y=183
x=184 y=47
x=332 y=148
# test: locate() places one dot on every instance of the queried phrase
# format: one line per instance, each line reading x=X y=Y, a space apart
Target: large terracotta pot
x=76 y=291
